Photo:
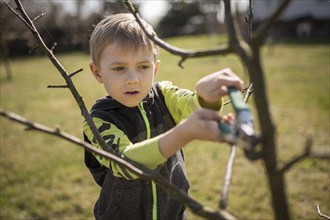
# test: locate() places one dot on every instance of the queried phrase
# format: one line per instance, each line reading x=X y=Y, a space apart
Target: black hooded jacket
x=136 y=199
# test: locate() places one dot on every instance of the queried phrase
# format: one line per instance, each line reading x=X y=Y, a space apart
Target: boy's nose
x=132 y=77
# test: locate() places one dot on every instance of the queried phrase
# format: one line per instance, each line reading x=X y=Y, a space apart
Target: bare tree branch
x=251 y=58
x=227 y=179
x=53 y=47
x=135 y=168
x=39 y=16
x=63 y=135
x=58 y=86
x=250 y=21
x=75 y=72
x=320 y=214
x=183 y=53
x=33 y=48
x=262 y=32
x=29 y=23
x=306 y=154
x=248 y=93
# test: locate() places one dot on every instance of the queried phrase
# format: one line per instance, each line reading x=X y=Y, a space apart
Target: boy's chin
x=131 y=104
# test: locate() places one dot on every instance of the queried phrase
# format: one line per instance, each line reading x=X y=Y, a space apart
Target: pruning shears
x=242 y=133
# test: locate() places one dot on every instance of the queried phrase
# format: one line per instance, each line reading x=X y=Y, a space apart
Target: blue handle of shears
x=243 y=115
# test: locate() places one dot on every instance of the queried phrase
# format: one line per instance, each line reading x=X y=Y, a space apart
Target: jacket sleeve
x=117 y=140
x=180 y=102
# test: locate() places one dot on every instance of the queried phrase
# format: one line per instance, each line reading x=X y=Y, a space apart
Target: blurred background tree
x=69 y=23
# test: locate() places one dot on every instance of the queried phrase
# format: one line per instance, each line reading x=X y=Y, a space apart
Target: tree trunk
x=268 y=133
x=5 y=60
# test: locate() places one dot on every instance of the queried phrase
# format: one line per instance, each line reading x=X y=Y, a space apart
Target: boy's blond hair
x=123 y=29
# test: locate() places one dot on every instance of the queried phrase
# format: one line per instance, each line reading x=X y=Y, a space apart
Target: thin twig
x=248 y=92
x=58 y=86
x=75 y=72
x=299 y=157
x=227 y=180
x=38 y=17
x=53 y=47
x=33 y=48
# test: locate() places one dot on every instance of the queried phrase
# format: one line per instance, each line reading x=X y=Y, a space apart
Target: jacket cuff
x=198 y=102
x=146 y=153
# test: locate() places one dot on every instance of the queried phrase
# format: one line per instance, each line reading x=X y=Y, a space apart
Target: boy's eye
x=118 y=68
x=143 y=67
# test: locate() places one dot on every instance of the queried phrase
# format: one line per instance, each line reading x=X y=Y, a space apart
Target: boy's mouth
x=131 y=92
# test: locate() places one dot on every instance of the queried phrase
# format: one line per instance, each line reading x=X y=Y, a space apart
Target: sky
x=150 y=10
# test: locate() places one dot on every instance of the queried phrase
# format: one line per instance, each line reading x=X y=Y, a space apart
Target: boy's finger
x=230 y=81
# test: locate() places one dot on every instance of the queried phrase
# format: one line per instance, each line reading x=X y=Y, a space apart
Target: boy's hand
x=214 y=86
x=201 y=125
x=204 y=124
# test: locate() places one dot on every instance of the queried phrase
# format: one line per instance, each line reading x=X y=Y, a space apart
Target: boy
x=145 y=121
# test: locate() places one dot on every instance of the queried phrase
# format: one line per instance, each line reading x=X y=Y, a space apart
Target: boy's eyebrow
x=114 y=63
x=145 y=61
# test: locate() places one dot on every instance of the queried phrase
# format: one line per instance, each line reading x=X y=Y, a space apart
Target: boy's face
x=127 y=74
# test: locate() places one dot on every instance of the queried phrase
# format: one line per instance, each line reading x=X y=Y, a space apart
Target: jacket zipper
x=153 y=185
x=145 y=119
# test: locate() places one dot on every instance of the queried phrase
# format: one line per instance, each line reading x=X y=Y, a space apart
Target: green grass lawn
x=44 y=177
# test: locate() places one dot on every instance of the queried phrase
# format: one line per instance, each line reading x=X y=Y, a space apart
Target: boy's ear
x=96 y=72
x=157 y=65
